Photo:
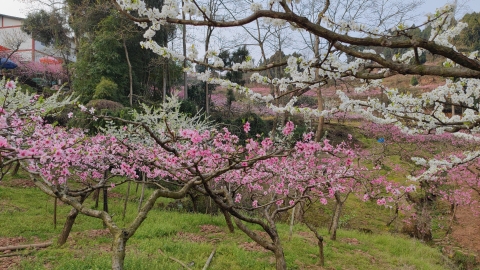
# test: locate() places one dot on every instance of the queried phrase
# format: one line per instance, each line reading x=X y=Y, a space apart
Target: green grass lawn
x=189 y=237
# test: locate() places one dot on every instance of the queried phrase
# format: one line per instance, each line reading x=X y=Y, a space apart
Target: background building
x=23 y=46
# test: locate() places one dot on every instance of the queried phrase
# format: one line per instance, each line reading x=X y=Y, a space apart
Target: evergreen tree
x=469 y=38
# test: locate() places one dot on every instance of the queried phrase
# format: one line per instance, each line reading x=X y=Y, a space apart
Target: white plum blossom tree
x=342 y=36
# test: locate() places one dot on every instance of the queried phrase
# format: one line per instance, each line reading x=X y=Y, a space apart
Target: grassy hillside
x=26 y=216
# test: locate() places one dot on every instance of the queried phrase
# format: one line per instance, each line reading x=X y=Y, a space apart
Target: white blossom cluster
x=365 y=108
x=206 y=77
x=444 y=26
x=350 y=26
x=306 y=112
x=157 y=117
x=217 y=61
x=257 y=97
x=406 y=57
x=426 y=110
x=192 y=52
x=189 y=8
x=170 y=9
x=256 y=7
x=367 y=86
x=438 y=165
x=302 y=74
x=244 y=65
x=22 y=101
x=274 y=22
x=162 y=51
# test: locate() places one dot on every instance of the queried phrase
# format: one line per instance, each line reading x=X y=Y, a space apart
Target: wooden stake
x=209 y=260
x=20 y=247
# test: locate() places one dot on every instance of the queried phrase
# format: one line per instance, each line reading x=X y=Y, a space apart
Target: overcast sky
x=18 y=9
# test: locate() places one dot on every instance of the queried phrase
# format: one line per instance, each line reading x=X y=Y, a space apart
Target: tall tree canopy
x=469 y=38
x=108 y=46
x=47 y=27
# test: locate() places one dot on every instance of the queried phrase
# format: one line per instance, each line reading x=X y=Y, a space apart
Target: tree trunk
x=292 y=222
x=143 y=193
x=184 y=43
x=164 y=83
x=16 y=168
x=126 y=201
x=207 y=100
x=105 y=203
x=424 y=230
x=321 y=254
x=129 y=73
x=228 y=219
x=194 y=202
x=335 y=220
x=280 y=263
x=67 y=227
x=118 y=251
x=207 y=44
x=275 y=246
x=299 y=215
x=96 y=196
x=453 y=210
x=55 y=214
x=321 y=120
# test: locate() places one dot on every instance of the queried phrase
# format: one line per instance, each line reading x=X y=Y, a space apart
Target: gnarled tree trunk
x=336 y=218
x=118 y=250
x=228 y=220
x=67 y=227
x=280 y=263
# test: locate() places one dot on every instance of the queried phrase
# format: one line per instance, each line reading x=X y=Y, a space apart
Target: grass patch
x=191 y=237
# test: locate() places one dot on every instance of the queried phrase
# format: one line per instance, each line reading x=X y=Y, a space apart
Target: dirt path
x=466 y=231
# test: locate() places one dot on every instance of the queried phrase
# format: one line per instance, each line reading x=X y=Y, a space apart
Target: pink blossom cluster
x=260 y=172
x=457 y=185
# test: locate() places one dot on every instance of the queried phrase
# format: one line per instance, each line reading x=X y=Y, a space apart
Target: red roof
x=50 y=60
x=3 y=48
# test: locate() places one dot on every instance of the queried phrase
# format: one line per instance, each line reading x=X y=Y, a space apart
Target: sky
x=18 y=9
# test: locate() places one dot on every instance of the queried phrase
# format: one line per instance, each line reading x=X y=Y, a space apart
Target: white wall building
x=12 y=36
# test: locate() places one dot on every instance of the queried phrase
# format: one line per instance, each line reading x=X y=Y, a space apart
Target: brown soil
x=192 y=237
x=12 y=241
x=6 y=207
x=14 y=261
x=91 y=233
x=209 y=233
x=351 y=241
x=252 y=246
x=10 y=262
x=114 y=195
x=211 y=229
x=17 y=183
x=308 y=237
x=466 y=230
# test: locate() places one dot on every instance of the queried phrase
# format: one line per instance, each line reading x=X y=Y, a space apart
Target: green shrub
x=257 y=126
x=230 y=97
x=464 y=260
x=102 y=107
x=414 y=81
x=106 y=89
x=188 y=107
x=104 y=104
